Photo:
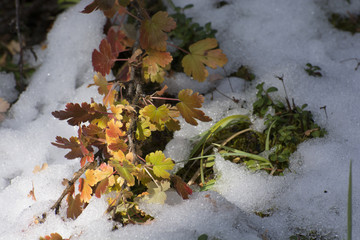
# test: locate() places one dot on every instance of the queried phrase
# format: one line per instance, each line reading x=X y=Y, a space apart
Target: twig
x=21 y=62
x=70 y=183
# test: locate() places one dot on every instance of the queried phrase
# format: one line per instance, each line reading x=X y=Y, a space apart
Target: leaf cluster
x=313 y=70
x=287 y=127
x=349 y=22
x=243 y=72
x=236 y=141
x=111 y=133
x=186 y=33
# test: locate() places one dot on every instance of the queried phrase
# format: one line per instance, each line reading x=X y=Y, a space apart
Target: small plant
x=113 y=136
x=349 y=23
x=244 y=73
x=313 y=70
x=236 y=141
x=186 y=33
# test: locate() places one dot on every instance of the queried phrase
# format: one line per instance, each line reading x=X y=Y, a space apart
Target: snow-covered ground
x=271 y=37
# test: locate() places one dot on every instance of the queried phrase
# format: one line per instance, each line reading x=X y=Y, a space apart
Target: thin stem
x=163 y=98
x=177 y=47
x=21 y=62
x=71 y=183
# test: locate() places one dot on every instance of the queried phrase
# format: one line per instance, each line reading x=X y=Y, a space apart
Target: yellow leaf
x=201 y=54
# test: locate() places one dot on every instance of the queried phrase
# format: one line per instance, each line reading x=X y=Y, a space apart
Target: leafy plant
x=349 y=23
x=236 y=141
x=186 y=33
x=287 y=127
x=111 y=135
x=313 y=70
x=244 y=73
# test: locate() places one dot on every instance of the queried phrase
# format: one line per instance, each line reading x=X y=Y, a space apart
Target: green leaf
x=160 y=164
x=125 y=169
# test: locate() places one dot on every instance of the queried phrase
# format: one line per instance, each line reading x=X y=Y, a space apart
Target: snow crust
x=272 y=38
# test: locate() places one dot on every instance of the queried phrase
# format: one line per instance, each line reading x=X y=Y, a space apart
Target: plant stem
x=177 y=47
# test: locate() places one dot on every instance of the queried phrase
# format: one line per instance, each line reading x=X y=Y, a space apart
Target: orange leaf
x=85 y=190
x=201 y=53
x=153 y=64
x=114 y=129
x=152 y=31
x=74 y=206
x=53 y=236
x=188 y=104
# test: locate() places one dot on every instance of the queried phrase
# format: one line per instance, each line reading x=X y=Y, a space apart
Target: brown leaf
x=75 y=206
x=73 y=144
x=76 y=114
x=101 y=187
x=153 y=31
x=188 y=104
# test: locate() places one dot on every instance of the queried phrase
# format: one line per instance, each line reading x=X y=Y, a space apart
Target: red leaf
x=117 y=41
x=181 y=187
x=104 y=60
x=76 y=113
x=73 y=144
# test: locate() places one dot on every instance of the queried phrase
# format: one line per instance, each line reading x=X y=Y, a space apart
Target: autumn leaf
x=157 y=192
x=143 y=129
x=102 y=83
x=101 y=187
x=160 y=164
x=157 y=115
x=103 y=5
x=153 y=31
x=37 y=168
x=4 y=106
x=85 y=190
x=154 y=63
x=181 y=187
x=103 y=60
x=203 y=53
x=114 y=129
x=94 y=132
x=154 y=59
x=32 y=193
x=118 y=145
x=74 y=206
x=53 y=236
x=125 y=169
x=76 y=114
x=118 y=41
x=72 y=144
x=188 y=104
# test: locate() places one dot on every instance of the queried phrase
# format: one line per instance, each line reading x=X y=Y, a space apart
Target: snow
x=271 y=37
